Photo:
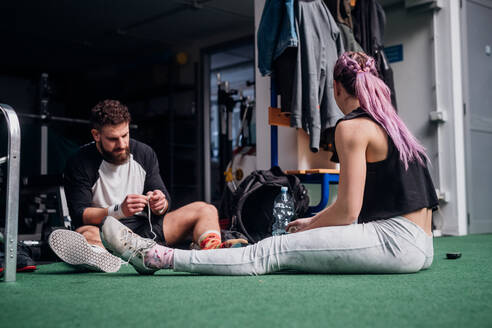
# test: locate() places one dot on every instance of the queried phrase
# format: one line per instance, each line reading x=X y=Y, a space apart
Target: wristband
x=116 y=211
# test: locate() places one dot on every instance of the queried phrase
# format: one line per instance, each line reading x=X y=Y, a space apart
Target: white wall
x=449 y=99
x=414 y=76
x=477 y=17
x=429 y=80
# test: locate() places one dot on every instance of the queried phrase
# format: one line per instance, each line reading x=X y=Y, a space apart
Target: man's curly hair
x=109 y=112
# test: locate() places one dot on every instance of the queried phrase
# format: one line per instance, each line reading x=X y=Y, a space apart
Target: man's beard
x=113 y=158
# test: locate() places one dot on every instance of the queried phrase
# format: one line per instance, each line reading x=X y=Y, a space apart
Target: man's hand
x=157 y=202
x=299 y=225
x=133 y=204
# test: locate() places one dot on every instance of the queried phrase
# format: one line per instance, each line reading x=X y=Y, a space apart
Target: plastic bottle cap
x=284 y=189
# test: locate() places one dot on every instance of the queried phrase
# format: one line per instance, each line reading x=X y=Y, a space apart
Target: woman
x=384 y=183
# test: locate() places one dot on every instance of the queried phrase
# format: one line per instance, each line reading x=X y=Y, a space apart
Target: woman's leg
x=387 y=246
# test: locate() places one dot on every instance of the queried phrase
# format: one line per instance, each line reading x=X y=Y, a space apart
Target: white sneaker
x=73 y=248
x=122 y=242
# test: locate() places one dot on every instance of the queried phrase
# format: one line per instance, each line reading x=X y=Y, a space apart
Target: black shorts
x=140 y=226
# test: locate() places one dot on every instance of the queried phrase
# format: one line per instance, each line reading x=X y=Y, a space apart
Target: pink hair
x=358 y=75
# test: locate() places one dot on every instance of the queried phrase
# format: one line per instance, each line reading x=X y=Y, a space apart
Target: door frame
x=470 y=192
x=204 y=99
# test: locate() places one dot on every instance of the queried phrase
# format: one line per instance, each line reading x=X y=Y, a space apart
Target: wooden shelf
x=277 y=117
x=313 y=171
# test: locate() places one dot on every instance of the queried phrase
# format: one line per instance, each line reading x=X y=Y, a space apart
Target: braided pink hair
x=357 y=72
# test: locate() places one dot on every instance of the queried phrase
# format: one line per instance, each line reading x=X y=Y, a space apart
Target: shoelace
x=134 y=240
x=148 y=216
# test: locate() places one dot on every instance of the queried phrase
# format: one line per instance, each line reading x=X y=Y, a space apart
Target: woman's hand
x=299 y=225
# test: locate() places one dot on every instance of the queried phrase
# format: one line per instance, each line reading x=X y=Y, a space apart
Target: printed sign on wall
x=394 y=53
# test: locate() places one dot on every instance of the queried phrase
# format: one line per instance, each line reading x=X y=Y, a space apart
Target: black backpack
x=250 y=207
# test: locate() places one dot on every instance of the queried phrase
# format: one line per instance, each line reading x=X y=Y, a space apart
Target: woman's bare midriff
x=422 y=218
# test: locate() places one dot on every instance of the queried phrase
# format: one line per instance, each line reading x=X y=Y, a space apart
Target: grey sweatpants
x=394 y=245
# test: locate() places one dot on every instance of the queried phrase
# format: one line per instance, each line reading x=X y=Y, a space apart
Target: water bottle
x=283 y=212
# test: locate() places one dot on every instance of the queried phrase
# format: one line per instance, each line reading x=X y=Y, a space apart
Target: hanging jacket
x=313 y=103
x=276 y=32
x=341 y=11
x=349 y=41
x=369 y=20
x=305 y=72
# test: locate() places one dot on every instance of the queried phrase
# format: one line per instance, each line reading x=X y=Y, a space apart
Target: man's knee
x=200 y=210
x=207 y=210
x=192 y=211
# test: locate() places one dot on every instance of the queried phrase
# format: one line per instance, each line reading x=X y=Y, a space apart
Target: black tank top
x=390 y=190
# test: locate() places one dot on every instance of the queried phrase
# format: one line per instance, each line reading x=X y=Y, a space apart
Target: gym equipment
x=43 y=196
x=227 y=100
x=46 y=206
x=243 y=160
x=226 y=105
x=12 y=195
x=45 y=117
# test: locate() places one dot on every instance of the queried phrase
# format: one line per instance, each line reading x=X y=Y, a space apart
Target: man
x=119 y=177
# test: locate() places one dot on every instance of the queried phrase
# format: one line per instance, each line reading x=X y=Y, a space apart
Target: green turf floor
x=452 y=293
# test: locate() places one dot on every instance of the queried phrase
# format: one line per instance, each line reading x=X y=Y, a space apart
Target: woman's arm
x=351 y=140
